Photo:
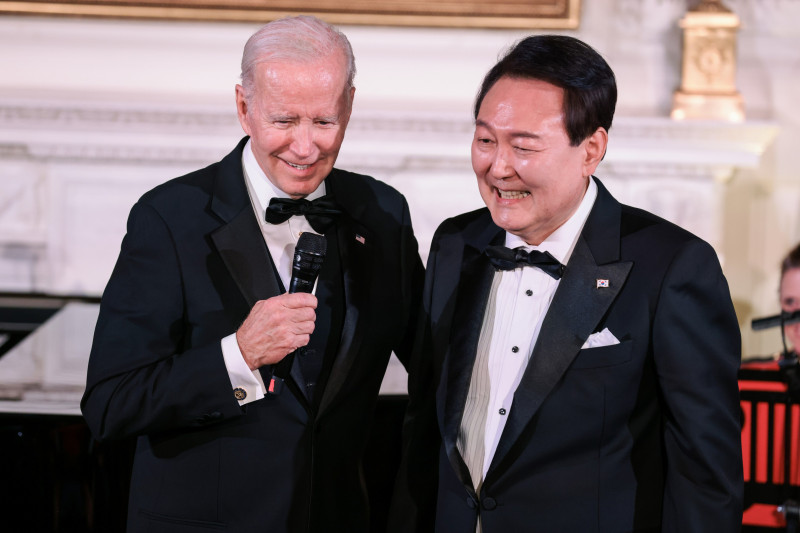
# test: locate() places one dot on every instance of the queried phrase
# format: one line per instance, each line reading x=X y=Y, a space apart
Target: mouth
x=298 y=167
x=512 y=195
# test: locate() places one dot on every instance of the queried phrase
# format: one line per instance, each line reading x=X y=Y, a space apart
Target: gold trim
x=221 y=12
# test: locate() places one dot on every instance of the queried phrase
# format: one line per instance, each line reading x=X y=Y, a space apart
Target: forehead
x=522 y=98
x=325 y=75
x=790 y=282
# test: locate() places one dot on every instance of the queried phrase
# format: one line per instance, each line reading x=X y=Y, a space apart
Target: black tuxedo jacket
x=639 y=436
x=191 y=266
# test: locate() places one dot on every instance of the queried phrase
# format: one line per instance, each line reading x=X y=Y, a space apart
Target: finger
x=298 y=300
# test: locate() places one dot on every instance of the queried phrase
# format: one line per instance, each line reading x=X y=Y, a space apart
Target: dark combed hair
x=791 y=260
x=590 y=89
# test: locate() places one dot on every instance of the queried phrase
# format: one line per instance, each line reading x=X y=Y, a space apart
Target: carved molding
x=406 y=139
x=62 y=157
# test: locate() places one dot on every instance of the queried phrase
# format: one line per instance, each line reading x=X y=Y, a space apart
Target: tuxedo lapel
x=239 y=240
x=358 y=260
x=475 y=282
x=578 y=306
x=244 y=253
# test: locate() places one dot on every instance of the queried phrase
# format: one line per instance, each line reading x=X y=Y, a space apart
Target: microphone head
x=309 y=253
x=312 y=243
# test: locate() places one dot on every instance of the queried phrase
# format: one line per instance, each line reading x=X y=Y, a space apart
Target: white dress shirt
x=523 y=298
x=281 y=240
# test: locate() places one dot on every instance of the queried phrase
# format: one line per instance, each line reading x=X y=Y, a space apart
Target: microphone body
x=308 y=257
x=309 y=253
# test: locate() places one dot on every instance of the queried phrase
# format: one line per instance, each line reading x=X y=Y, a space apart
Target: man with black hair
x=577 y=367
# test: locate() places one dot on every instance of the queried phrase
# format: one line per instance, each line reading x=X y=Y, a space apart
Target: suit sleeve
x=414 y=501
x=144 y=374
x=412 y=277
x=697 y=351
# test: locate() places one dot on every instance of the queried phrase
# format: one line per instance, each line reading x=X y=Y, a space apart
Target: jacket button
x=488 y=503
x=471 y=503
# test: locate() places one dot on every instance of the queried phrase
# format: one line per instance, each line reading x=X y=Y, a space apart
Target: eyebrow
x=516 y=134
x=283 y=117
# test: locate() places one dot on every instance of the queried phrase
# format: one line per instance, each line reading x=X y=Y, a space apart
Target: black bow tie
x=506 y=259
x=320 y=213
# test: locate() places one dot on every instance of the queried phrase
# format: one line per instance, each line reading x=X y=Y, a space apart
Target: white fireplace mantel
x=71 y=169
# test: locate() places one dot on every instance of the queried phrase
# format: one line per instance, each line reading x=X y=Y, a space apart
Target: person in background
x=789 y=294
x=196 y=332
x=577 y=368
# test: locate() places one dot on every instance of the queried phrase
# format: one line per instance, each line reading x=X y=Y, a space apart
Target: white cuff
x=247 y=384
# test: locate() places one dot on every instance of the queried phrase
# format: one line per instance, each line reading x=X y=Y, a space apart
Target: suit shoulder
x=364 y=187
x=465 y=222
x=635 y=221
x=368 y=199
x=657 y=239
x=195 y=183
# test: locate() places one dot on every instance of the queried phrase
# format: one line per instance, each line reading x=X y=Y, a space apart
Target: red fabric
x=760 y=514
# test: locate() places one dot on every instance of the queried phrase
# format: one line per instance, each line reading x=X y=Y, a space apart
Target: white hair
x=300 y=38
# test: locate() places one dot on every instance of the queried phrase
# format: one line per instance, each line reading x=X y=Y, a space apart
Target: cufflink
x=239 y=393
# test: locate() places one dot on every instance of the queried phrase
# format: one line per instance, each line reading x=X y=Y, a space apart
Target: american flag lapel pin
x=361 y=239
x=602 y=283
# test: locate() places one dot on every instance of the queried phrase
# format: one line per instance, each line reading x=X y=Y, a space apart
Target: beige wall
x=94 y=112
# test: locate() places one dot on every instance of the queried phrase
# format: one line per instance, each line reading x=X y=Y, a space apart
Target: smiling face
x=790 y=302
x=529 y=176
x=296 y=117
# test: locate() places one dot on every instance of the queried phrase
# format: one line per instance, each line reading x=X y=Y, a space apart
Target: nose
x=303 y=141
x=501 y=165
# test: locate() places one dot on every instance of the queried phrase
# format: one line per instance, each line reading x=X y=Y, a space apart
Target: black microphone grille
x=312 y=243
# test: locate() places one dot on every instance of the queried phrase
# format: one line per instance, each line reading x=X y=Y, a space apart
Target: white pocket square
x=602 y=338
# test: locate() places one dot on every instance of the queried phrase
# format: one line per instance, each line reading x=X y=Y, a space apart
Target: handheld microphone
x=309 y=253
x=775 y=321
x=308 y=257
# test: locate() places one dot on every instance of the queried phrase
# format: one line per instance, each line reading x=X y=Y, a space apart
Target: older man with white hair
x=251 y=404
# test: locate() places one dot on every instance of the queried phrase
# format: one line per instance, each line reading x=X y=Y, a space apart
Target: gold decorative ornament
x=708 y=77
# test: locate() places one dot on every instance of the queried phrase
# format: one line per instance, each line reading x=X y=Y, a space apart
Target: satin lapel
x=358 y=261
x=474 y=286
x=243 y=251
x=577 y=308
x=239 y=241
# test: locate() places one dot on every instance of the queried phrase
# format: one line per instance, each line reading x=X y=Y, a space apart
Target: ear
x=349 y=108
x=242 y=109
x=595 y=149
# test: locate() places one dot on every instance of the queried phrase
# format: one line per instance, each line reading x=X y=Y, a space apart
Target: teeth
x=512 y=195
x=298 y=167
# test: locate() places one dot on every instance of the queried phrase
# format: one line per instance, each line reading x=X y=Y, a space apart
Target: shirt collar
x=562 y=241
x=259 y=183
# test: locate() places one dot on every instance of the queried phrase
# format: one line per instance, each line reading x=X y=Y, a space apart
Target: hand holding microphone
x=277 y=326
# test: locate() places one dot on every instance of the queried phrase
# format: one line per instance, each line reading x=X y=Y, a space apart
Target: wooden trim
x=518 y=14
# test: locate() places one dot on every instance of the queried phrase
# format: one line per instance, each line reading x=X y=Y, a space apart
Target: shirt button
x=502 y=411
x=515 y=349
x=529 y=292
